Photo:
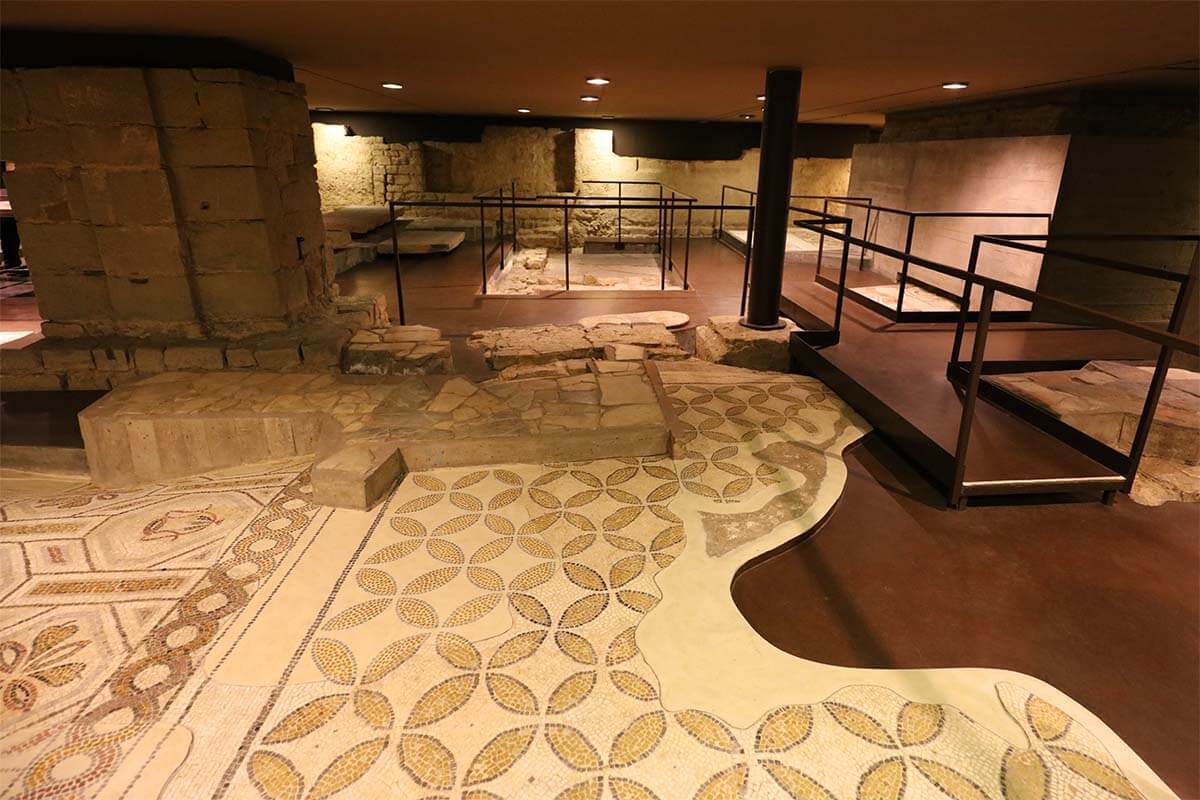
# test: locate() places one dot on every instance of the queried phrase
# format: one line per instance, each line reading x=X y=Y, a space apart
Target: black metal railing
x=906 y=257
x=504 y=202
x=968 y=374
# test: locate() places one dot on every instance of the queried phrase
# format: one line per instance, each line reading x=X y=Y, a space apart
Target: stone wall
x=541 y=161
x=1001 y=174
x=1125 y=185
x=168 y=202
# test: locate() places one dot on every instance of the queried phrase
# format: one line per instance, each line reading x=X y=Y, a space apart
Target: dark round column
x=774 y=190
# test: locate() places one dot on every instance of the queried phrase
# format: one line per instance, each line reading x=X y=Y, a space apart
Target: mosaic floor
x=555 y=631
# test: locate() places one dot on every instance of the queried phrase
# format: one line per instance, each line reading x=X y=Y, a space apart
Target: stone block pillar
x=170 y=202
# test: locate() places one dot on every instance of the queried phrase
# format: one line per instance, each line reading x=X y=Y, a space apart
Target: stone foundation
x=537 y=344
x=724 y=340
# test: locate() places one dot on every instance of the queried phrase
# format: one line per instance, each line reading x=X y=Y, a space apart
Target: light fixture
x=607 y=116
x=760 y=97
x=746 y=116
x=391 y=85
x=598 y=81
x=955 y=85
x=323 y=108
x=523 y=111
x=590 y=98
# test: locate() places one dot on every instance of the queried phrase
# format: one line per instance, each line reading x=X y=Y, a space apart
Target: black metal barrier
x=968 y=374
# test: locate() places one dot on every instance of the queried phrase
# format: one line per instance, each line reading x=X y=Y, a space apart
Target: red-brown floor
x=1103 y=602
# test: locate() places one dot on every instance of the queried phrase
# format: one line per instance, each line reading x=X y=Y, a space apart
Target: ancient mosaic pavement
x=515 y=632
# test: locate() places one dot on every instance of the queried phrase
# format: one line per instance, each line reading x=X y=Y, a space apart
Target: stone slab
x=365 y=431
x=419 y=243
x=669 y=319
x=357 y=220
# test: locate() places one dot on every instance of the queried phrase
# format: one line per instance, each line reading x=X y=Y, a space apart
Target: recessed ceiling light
x=391 y=85
x=323 y=108
x=590 y=98
x=598 y=81
x=955 y=85
x=746 y=116
x=760 y=97
x=523 y=111
x=607 y=116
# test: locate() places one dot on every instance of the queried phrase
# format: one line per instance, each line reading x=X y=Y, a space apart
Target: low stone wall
x=99 y=363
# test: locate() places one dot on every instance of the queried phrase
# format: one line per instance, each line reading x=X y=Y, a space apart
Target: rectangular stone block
x=357 y=476
x=214 y=147
x=59 y=247
x=29 y=147
x=231 y=246
x=240 y=358
x=106 y=96
x=173 y=98
x=324 y=349
x=61 y=359
x=128 y=196
x=222 y=105
x=148 y=358
x=204 y=357
x=47 y=194
x=161 y=298
x=24 y=361
x=115 y=145
x=138 y=251
x=240 y=295
x=39 y=90
x=72 y=296
x=44 y=382
x=88 y=380
x=278 y=356
x=217 y=194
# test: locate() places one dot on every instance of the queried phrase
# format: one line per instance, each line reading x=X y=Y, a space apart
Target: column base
x=778 y=325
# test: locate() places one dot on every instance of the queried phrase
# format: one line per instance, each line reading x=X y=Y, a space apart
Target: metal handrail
x=1168 y=341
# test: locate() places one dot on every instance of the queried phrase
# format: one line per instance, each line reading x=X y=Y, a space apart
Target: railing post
x=515 y=247
x=912 y=224
x=670 y=245
x=501 y=227
x=620 y=243
x=862 y=251
x=972 y=393
x=964 y=308
x=721 y=215
x=482 y=250
x=749 y=247
x=1159 y=378
x=566 y=247
x=687 y=244
x=821 y=236
x=841 y=295
x=396 y=257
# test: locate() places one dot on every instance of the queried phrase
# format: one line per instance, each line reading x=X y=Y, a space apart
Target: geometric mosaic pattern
x=481 y=643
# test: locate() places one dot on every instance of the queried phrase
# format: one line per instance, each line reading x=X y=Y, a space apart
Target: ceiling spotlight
x=598 y=81
x=390 y=85
x=323 y=108
x=760 y=97
x=955 y=85
x=523 y=111
x=746 y=116
x=590 y=98
x=607 y=116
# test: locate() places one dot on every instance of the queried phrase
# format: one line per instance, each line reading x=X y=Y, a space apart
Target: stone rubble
x=724 y=340
x=1104 y=400
x=539 y=344
x=398 y=350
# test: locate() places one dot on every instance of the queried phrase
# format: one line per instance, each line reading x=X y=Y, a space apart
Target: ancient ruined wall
x=541 y=161
x=164 y=201
x=999 y=174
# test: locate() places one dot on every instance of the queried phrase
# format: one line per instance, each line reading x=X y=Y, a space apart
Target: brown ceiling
x=680 y=60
